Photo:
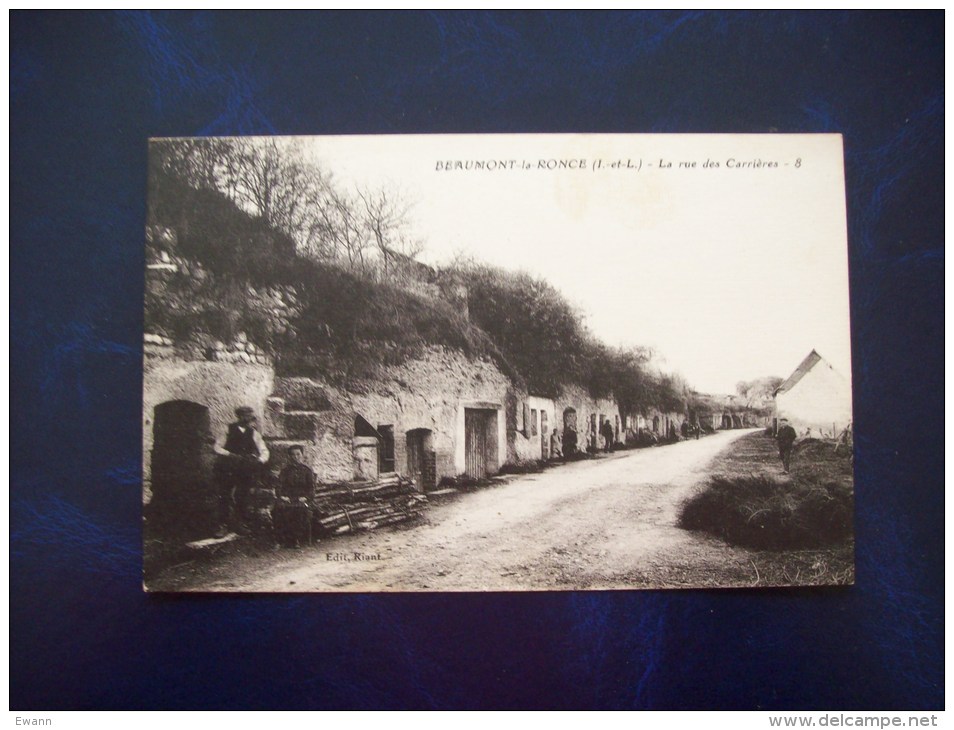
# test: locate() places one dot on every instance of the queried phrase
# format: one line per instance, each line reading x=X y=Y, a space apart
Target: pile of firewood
x=354 y=506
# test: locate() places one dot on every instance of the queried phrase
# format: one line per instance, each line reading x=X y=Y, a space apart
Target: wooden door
x=475 y=440
x=415 y=455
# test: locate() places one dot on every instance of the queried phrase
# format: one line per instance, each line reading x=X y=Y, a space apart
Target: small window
x=533 y=421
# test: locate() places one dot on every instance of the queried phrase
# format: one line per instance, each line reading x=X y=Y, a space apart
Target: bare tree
x=340 y=223
x=312 y=226
x=272 y=179
x=194 y=160
x=266 y=179
x=386 y=217
x=755 y=393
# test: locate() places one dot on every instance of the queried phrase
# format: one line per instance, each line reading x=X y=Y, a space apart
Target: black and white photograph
x=445 y=363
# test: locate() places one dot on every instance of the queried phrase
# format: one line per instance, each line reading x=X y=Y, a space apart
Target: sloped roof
x=807 y=364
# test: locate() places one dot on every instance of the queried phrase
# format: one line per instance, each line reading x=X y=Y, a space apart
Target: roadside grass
x=534 y=466
x=832 y=566
x=751 y=503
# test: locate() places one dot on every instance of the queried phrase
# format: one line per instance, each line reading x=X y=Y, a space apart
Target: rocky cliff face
x=420 y=401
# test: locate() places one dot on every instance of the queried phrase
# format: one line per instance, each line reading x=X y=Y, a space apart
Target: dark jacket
x=297 y=480
x=239 y=443
x=569 y=441
x=786 y=437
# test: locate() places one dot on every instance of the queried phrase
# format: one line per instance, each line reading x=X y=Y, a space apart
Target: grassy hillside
x=237 y=274
x=750 y=502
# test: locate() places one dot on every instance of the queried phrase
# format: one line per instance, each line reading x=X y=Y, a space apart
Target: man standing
x=786 y=439
x=569 y=442
x=242 y=453
x=556 y=445
x=606 y=431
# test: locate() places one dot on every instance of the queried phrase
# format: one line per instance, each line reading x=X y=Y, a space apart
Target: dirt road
x=600 y=524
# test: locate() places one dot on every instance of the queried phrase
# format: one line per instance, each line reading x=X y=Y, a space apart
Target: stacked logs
x=355 y=506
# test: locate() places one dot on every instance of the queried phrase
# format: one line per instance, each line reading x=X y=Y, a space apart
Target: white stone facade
x=820 y=400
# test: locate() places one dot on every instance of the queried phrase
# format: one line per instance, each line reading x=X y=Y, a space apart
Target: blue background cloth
x=87 y=90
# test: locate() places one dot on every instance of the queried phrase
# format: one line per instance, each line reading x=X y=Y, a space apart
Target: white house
x=535 y=418
x=816 y=397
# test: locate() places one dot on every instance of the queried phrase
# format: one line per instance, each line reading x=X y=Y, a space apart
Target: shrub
x=763 y=512
x=532 y=324
x=523 y=467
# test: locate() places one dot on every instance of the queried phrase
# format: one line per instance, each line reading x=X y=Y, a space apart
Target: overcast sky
x=729 y=273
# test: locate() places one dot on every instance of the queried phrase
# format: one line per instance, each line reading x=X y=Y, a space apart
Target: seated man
x=296 y=491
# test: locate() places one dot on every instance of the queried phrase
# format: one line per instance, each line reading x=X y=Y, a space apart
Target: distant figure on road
x=606 y=431
x=786 y=438
x=685 y=429
x=569 y=442
x=556 y=445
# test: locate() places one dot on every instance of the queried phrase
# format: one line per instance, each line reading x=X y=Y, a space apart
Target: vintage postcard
x=496 y=363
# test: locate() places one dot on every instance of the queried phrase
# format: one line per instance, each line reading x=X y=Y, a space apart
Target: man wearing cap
x=242 y=453
x=786 y=439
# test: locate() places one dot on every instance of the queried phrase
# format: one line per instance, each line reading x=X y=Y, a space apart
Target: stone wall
x=180 y=289
x=219 y=386
x=531 y=430
x=427 y=396
x=586 y=408
x=658 y=422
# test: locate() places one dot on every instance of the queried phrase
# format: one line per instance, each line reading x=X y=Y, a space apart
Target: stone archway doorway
x=182 y=489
